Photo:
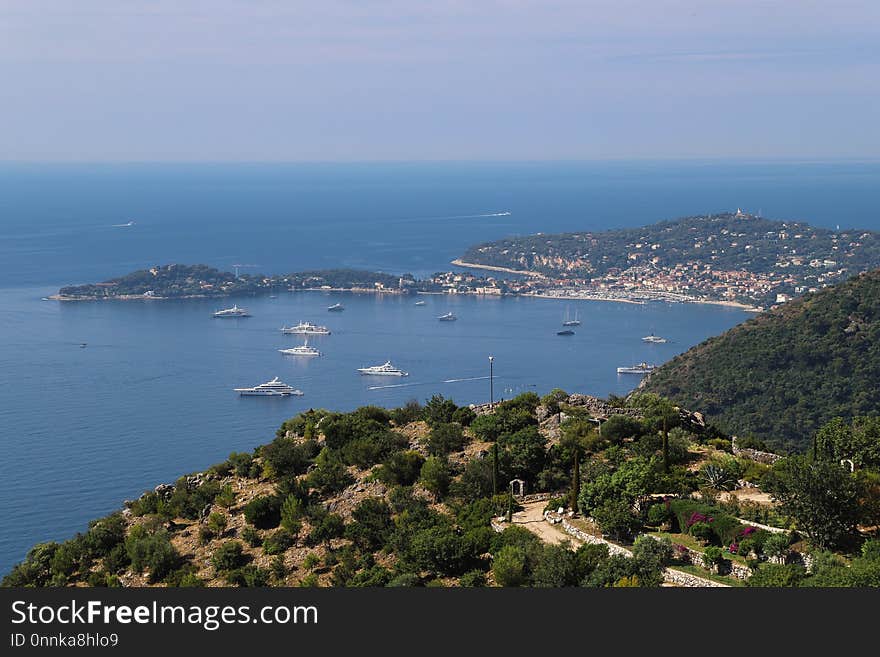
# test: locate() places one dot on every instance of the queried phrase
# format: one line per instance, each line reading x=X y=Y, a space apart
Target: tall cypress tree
x=495 y=469
x=665 y=445
x=575 y=482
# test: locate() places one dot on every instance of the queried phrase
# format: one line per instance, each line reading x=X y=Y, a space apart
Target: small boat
x=336 y=308
x=82 y=345
x=273 y=388
x=302 y=350
x=654 y=339
x=641 y=368
x=448 y=317
x=306 y=328
x=419 y=303
x=565 y=332
x=235 y=311
x=383 y=370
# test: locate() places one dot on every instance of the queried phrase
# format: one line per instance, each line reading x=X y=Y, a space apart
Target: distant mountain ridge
x=783 y=374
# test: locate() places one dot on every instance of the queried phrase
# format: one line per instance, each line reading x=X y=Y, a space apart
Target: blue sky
x=185 y=80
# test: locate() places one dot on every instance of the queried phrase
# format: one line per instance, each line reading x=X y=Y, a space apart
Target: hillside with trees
x=419 y=496
x=785 y=373
x=177 y=281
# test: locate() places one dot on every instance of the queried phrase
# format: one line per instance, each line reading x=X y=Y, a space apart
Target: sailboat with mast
x=568 y=321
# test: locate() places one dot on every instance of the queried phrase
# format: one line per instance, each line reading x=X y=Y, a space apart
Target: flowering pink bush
x=748 y=530
x=733 y=548
x=696 y=517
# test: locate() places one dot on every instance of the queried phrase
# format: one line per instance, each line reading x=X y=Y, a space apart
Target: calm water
x=150 y=397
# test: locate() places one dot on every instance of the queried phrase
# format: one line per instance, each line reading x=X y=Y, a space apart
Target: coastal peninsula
x=731 y=259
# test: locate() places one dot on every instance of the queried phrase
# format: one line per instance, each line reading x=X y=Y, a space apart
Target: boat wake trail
x=399 y=385
x=426 y=383
x=478 y=216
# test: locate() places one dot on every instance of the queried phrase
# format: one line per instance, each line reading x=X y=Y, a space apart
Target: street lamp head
x=491 y=358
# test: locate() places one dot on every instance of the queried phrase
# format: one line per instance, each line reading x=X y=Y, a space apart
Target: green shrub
x=713 y=555
x=411 y=412
x=777 y=545
x=205 y=535
x=263 y=512
x=330 y=474
x=151 y=551
x=403 y=469
x=288 y=457
x=279 y=570
x=509 y=566
x=473 y=578
x=187 y=502
x=330 y=526
x=616 y=520
x=652 y=553
x=435 y=475
x=117 y=559
x=659 y=514
x=445 y=438
x=146 y=504
x=439 y=410
x=251 y=536
x=240 y=463
x=777 y=575
x=721 y=444
x=726 y=528
x=371 y=524
x=226 y=497
x=217 y=523
x=229 y=556
x=702 y=531
x=464 y=416
x=309 y=581
x=279 y=541
x=292 y=512
x=250 y=576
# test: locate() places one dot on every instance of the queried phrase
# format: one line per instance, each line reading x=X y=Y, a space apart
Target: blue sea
x=151 y=397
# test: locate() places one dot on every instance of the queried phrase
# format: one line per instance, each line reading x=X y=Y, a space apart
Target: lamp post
x=491 y=383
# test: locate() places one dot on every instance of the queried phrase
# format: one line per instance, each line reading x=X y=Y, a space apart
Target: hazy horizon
x=401 y=81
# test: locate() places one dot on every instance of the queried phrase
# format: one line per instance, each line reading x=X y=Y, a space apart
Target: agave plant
x=717 y=477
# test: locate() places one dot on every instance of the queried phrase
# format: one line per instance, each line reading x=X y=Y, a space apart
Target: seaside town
x=732 y=258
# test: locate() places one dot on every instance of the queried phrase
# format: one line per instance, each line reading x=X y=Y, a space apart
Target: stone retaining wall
x=767 y=458
x=670 y=575
x=681 y=578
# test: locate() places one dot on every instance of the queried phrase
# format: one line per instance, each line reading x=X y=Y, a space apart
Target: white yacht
x=235 y=311
x=336 y=308
x=448 y=317
x=302 y=350
x=306 y=328
x=419 y=303
x=641 y=368
x=654 y=339
x=273 y=388
x=383 y=370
